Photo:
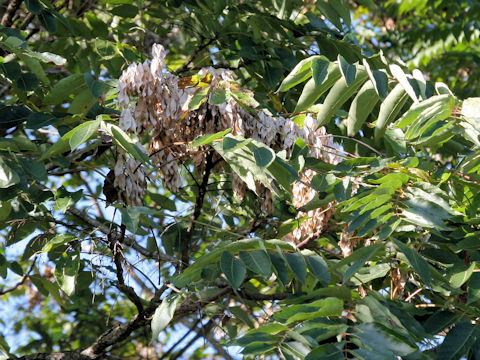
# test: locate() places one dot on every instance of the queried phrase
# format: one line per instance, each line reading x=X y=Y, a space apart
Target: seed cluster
x=159 y=104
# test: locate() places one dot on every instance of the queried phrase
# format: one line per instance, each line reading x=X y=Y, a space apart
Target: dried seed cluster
x=164 y=106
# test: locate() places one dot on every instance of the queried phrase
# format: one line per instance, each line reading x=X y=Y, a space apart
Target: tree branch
x=202 y=190
x=203 y=331
x=22 y=280
x=13 y=6
x=128 y=240
x=67 y=355
x=115 y=245
x=262 y=297
x=122 y=331
x=192 y=328
x=195 y=55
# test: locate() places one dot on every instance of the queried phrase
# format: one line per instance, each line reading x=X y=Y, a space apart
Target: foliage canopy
x=266 y=179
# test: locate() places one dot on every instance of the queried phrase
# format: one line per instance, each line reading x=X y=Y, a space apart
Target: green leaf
x=34 y=6
x=8 y=177
x=343 y=190
x=27 y=81
x=66 y=86
x=47 y=287
x=398 y=73
x=337 y=96
x=297 y=264
x=326 y=352
x=424 y=216
x=342 y=9
x=377 y=343
x=459 y=278
x=257 y=348
x=63 y=144
x=59 y=239
x=47 y=57
x=362 y=259
x=458 y=341
x=233 y=268
x=198 y=99
x=279 y=267
x=131 y=216
x=367 y=274
x=318 y=267
x=164 y=314
x=82 y=102
x=301 y=72
x=362 y=106
x=232 y=144
x=83 y=133
x=97 y=88
x=256 y=336
x=3 y=266
x=219 y=96
x=330 y=306
x=439 y=321
x=257 y=261
x=125 y=10
x=37 y=120
x=379 y=79
x=264 y=156
x=329 y=12
x=63 y=204
x=348 y=71
x=319 y=69
x=357 y=254
x=48 y=21
x=244 y=163
x=66 y=272
x=192 y=272
x=419 y=264
x=5 y=209
x=311 y=91
x=106 y=49
x=36 y=68
x=163 y=201
x=11 y=69
x=209 y=138
x=34 y=169
x=288 y=226
x=125 y=142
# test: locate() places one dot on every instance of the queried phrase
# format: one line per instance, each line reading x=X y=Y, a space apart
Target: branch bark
x=67 y=355
x=123 y=331
x=115 y=245
x=12 y=7
x=202 y=190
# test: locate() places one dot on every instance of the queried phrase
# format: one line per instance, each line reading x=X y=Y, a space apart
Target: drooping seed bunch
x=170 y=111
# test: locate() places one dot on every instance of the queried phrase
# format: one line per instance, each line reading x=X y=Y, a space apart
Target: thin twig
x=188 y=332
x=93 y=198
x=195 y=55
x=22 y=280
x=202 y=190
x=356 y=140
x=409 y=297
x=115 y=245
x=201 y=332
x=129 y=240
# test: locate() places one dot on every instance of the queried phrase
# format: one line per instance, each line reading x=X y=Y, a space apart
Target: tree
x=180 y=177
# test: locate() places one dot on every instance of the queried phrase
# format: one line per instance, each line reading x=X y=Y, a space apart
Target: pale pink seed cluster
x=131 y=178
x=157 y=103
